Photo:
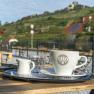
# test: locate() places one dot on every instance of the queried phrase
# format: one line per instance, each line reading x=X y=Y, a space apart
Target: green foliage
x=63 y=22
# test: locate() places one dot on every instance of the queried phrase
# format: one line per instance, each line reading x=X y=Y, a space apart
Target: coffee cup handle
x=32 y=66
x=78 y=66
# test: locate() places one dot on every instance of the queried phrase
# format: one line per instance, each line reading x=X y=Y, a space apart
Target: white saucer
x=52 y=73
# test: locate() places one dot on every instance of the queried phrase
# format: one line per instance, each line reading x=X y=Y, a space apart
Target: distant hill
x=48 y=25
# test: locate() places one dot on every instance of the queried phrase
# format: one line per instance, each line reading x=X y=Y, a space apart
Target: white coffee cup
x=65 y=62
x=24 y=67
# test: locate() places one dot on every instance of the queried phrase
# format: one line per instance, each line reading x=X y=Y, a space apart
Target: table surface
x=20 y=87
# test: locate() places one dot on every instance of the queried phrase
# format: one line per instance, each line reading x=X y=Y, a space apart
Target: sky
x=13 y=10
